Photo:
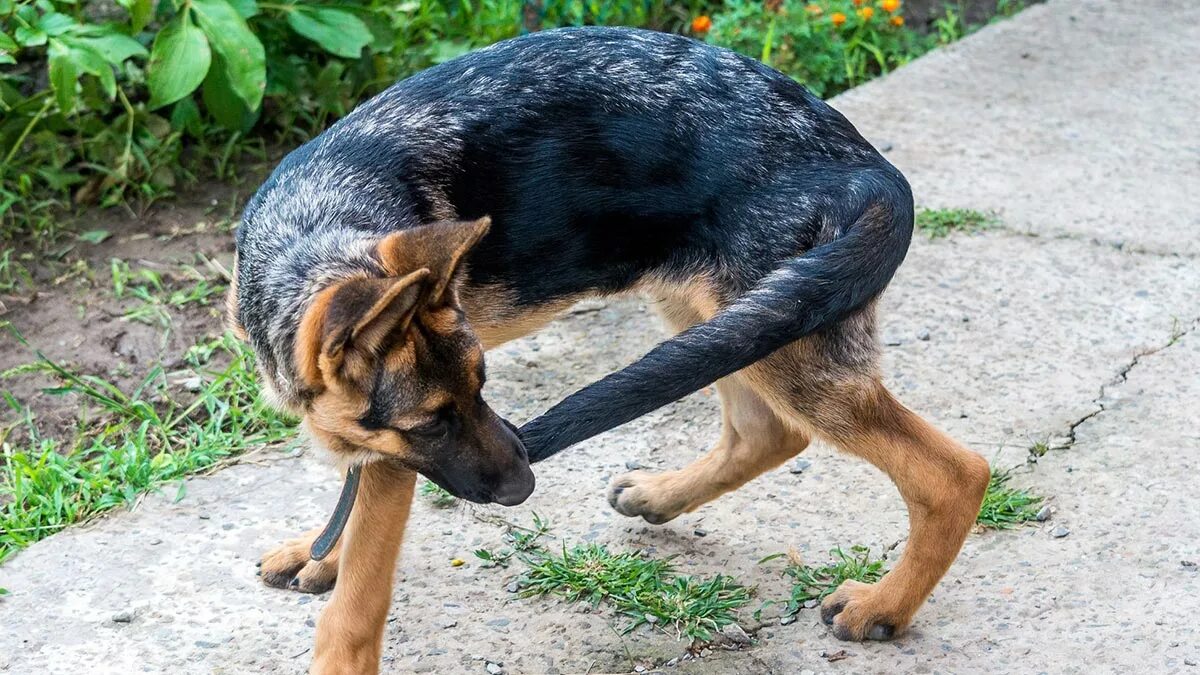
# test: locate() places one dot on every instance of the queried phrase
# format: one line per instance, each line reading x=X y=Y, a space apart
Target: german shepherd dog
x=471 y=203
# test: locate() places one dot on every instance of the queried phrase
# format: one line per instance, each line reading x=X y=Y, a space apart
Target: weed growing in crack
x=815 y=582
x=647 y=590
x=520 y=540
x=643 y=589
x=437 y=495
x=1005 y=507
x=939 y=223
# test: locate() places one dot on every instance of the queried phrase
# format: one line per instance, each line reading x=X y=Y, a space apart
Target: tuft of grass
x=155 y=296
x=137 y=441
x=1003 y=506
x=815 y=582
x=938 y=223
x=14 y=276
x=646 y=590
x=437 y=495
x=521 y=540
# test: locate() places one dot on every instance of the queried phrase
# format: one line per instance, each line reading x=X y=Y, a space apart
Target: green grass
x=1003 y=506
x=520 y=540
x=645 y=590
x=815 y=582
x=938 y=223
x=14 y=276
x=156 y=295
x=437 y=495
x=135 y=442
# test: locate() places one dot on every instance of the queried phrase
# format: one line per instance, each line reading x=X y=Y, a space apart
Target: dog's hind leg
x=827 y=382
x=753 y=440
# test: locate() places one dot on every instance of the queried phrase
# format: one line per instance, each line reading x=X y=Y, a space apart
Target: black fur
x=605 y=157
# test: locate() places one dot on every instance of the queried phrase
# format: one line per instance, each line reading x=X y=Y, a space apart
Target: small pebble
x=639 y=669
x=812 y=603
x=672 y=662
x=1188 y=563
x=451 y=623
x=494 y=668
x=650 y=618
x=785 y=620
x=513 y=587
x=122 y=617
x=632 y=464
x=700 y=533
x=1059 y=532
x=800 y=465
x=1043 y=514
x=923 y=336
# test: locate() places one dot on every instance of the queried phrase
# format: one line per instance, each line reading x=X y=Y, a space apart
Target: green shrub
x=104 y=103
x=829 y=46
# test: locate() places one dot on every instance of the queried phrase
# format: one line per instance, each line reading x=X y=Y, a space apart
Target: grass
x=155 y=296
x=437 y=495
x=1005 y=507
x=138 y=440
x=644 y=590
x=815 y=582
x=939 y=223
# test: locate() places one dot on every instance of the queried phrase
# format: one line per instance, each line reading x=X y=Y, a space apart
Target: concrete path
x=1076 y=324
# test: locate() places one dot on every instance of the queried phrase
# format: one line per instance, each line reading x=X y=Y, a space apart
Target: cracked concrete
x=1000 y=338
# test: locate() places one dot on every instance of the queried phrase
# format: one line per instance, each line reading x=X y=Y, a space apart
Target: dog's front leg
x=350 y=630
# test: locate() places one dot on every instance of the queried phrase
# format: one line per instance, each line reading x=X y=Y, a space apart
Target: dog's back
x=605 y=157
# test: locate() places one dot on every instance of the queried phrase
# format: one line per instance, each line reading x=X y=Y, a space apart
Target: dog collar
x=328 y=538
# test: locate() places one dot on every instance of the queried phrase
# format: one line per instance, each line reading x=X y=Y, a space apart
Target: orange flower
x=701 y=24
x=890 y=5
x=815 y=10
x=866 y=13
x=859 y=3
x=837 y=18
x=897 y=21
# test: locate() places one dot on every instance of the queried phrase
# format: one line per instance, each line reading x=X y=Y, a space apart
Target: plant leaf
x=337 y=31
x=115 y=47
x=55 y=23
x=94 y=236
x=245 y=8
x=242 y=55
x=63 y=75
x=179 y=60
x=222 y=102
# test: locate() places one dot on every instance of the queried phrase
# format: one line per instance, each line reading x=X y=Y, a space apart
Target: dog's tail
x=803 y=296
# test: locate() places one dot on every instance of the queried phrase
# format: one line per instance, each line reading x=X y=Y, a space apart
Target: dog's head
x=394 y=367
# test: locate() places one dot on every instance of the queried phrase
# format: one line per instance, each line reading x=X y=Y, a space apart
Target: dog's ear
x=439 y=247
x=363 y=315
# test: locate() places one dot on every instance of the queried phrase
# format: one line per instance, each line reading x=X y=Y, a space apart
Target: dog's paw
x=855 y=612
x=640 y=493
x=289 y=566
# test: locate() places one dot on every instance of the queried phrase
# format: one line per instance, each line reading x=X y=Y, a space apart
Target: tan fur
x=770 y=411
x=826 y=385
x=350 y=630
x=495 y=318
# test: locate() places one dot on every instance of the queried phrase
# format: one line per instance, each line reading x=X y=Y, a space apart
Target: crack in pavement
x=1121 y=378
x=1118 y=246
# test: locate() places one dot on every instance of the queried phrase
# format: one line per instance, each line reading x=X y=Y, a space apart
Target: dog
x=470 y=204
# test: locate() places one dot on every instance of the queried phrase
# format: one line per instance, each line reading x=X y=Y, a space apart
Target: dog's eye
x=436 y=426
